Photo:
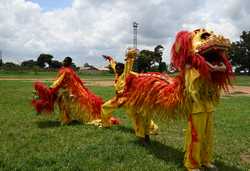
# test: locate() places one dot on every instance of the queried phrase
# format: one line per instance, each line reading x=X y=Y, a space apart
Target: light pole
x=135 y=27
x=1 y=58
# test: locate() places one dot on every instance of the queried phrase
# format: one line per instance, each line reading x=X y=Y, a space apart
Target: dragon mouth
x=213 y=54
x=210 y=46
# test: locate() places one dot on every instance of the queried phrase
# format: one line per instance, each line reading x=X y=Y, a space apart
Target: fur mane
x=152 y=92
x=182 y=54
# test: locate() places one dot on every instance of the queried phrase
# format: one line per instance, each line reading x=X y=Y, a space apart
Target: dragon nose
x=206 y=35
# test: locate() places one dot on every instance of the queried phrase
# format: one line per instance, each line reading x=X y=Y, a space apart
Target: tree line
x=43 y=61
x=148 y=61
x=240 y=54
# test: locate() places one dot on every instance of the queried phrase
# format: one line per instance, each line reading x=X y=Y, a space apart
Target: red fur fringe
x=46 y=100
x=88 y=100
x=223 y=79
x=182 y=54
x=152 y=93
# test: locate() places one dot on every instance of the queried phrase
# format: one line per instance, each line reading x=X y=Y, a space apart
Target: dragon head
x=202 y=49
x=209 y=45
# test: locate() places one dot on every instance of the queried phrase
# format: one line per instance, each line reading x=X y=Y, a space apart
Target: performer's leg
x=137 y=122
x=153 y=128
x=64 y=108
x=194 y=139
x=207 y=151
x=142 y=127
x=64 y=113
x=147 y=124
x=64 y=118
x=107 y=109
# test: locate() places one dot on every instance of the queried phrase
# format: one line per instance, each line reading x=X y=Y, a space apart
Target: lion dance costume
x=120 y=99
x=75 y=101
x=201 y=58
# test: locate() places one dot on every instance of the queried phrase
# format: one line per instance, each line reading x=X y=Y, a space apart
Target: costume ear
x=177 y=47
x=181 y=49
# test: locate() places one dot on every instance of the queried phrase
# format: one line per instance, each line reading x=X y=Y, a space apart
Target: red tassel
x=46 y=100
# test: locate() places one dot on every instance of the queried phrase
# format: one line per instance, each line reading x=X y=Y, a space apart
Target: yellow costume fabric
x=109 y=106
x=142 y=125
x=199 y=134
x=117 y=101
x=120 y=80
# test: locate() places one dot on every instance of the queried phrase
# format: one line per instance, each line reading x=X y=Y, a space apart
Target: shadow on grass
x=52 y=124
x=173 y=155
x=223 y=167
x=125 y=129
x=166 y=153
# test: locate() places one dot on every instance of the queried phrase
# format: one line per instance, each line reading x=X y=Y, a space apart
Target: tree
x=29 y=63
x=148 y=60
x=10 y=66
x=44 y=59
x=240 y=52
x=86 y=65
x=144 y=61
x=162 y=67
x=1 y=62
x=55 y=64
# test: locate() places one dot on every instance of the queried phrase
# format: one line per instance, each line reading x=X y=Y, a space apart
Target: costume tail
x=156 y=94
x=45 y=98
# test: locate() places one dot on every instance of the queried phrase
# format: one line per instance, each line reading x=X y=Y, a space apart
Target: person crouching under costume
x=75 y=101
x=71 y=90
x=121 y=72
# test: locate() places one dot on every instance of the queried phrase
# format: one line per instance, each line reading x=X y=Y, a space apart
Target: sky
x=48 y=5
x=86 y=29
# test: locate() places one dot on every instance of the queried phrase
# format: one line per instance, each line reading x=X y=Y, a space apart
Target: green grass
x=31 y=142
x=239 y=80
x=242 y=80
x=27 y=74
x=51 y=74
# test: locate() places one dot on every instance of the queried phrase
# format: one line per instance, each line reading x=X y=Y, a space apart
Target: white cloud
x=89 y=28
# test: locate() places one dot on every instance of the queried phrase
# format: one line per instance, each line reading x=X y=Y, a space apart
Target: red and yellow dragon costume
x=204 y=70
x=156 y=94
x=75 y=101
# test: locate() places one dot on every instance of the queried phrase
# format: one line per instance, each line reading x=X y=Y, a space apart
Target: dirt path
x=241 y=89
x=236 y=90
x=88 y=82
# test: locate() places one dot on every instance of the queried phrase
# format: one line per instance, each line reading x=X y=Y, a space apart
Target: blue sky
x=48 y=5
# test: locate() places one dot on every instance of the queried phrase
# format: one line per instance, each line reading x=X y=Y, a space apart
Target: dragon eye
x=204 y=36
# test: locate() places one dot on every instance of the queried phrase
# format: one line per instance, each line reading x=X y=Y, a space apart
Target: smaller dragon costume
x=75 y=101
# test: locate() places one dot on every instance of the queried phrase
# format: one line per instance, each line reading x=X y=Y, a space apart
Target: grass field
x=242 y=80
x=45 y=75
x=239 y=80
x=30 y=142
